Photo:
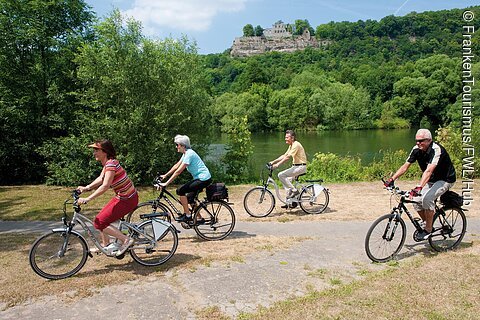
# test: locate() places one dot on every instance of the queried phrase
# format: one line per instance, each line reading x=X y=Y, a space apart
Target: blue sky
x=214 y=24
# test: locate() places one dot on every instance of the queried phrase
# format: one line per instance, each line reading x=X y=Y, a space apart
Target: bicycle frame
x=168 y=197
x=400 y=208
x=271 y=181
x=86 y=224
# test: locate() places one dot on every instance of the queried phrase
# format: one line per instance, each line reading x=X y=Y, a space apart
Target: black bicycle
x=211 y=219
x=386 y=236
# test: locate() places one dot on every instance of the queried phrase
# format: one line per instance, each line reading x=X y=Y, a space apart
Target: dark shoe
x=290 y=206
x=184 y=218
x=424 y=235
x=200 y=221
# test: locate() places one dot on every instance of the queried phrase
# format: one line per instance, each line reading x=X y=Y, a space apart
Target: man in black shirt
x=438 y=176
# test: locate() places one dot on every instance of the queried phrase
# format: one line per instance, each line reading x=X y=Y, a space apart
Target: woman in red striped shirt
x=125 y=200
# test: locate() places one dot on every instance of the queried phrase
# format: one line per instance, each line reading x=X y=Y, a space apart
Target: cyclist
x=437 y=178
x=194 y=164
x=125 y=200
x=299 y=166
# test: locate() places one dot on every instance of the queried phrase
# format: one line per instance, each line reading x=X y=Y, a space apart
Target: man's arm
x=280 y=160
x=427 y=174
x=401 y=171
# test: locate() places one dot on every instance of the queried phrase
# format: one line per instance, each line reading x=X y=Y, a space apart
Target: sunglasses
x=420 y=140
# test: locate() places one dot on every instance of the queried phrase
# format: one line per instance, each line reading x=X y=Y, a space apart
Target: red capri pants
x=114 y=210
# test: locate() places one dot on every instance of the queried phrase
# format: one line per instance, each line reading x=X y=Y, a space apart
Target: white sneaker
x=112 y=248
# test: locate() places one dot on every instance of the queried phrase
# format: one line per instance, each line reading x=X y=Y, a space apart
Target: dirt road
x=327 y=250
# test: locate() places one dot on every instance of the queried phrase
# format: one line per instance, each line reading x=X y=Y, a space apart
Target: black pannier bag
x=451 y=199
x=217 y=191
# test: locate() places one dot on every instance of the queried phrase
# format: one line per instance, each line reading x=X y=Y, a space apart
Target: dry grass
x=348 y=201
x=19 y=283
x=443 y=286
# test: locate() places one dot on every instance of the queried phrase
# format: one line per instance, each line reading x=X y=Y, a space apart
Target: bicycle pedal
x=185 y=225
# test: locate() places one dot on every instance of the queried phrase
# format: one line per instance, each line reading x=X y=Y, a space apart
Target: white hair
x=183 y=140
x=424 y=133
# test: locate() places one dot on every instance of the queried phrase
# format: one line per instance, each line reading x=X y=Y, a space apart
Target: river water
x=363 y=143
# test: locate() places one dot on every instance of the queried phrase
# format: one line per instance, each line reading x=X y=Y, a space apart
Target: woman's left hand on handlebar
x=81 y=189
x=82 y=200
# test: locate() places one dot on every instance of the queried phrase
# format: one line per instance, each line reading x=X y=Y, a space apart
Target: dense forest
x=67 y=78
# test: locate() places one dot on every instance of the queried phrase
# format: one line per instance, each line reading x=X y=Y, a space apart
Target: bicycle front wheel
x=219 y=220
x=449 y=227
x=311 y=203
x=150 y=249
x=385 y=238
x=147 y=208
x=58 y=255
x=259 y=202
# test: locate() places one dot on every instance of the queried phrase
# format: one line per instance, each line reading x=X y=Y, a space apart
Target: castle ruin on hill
x=277 y=38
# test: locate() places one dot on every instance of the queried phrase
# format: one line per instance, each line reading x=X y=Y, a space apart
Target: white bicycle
x=260 y=201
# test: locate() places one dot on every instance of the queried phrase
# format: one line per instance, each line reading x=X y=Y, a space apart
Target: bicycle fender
x=159 y=228
x=317 y=189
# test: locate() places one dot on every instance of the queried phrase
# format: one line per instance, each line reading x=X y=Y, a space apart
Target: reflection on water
x=363 y=143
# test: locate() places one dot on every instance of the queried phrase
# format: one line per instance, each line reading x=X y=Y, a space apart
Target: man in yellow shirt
x=299 y=166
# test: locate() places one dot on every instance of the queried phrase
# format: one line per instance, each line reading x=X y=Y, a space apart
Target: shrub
x=334 y=168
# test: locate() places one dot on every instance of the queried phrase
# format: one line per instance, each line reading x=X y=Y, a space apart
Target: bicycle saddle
x=296 y=178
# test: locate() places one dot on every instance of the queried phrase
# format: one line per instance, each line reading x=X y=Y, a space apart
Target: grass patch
x=211 y=313
x=45 y=203
x=395 y=293
x=318 y=273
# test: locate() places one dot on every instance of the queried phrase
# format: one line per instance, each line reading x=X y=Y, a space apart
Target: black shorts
x=193 y=186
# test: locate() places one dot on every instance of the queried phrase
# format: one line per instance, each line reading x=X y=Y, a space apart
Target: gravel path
x=333 y=252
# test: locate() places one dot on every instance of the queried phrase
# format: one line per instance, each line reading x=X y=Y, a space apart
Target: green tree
x=301 y=25
x=248 y=30
x=139 y=93
x=239 y=150
x=258 y=31
x=38 y=40
x=286 y=108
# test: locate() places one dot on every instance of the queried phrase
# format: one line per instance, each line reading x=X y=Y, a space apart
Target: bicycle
x=63 y=252
x=218 y=215
x=260 y=201
x=386 y=236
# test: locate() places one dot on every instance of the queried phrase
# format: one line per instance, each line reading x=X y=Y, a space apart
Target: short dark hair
x=292 y=134
x=107 y=147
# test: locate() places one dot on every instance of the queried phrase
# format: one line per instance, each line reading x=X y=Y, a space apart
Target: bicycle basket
x=217 y=191
x=451 y=199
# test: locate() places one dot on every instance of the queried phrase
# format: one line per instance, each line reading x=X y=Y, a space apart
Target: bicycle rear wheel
x=147 y=208
x=449 y=227
x=384 y=239
x=58 y=255
x=219 y=220
x=311 y=203
x=156 y=245
x=259 y=202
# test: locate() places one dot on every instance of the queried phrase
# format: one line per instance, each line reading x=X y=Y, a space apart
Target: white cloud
x=184 y=15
